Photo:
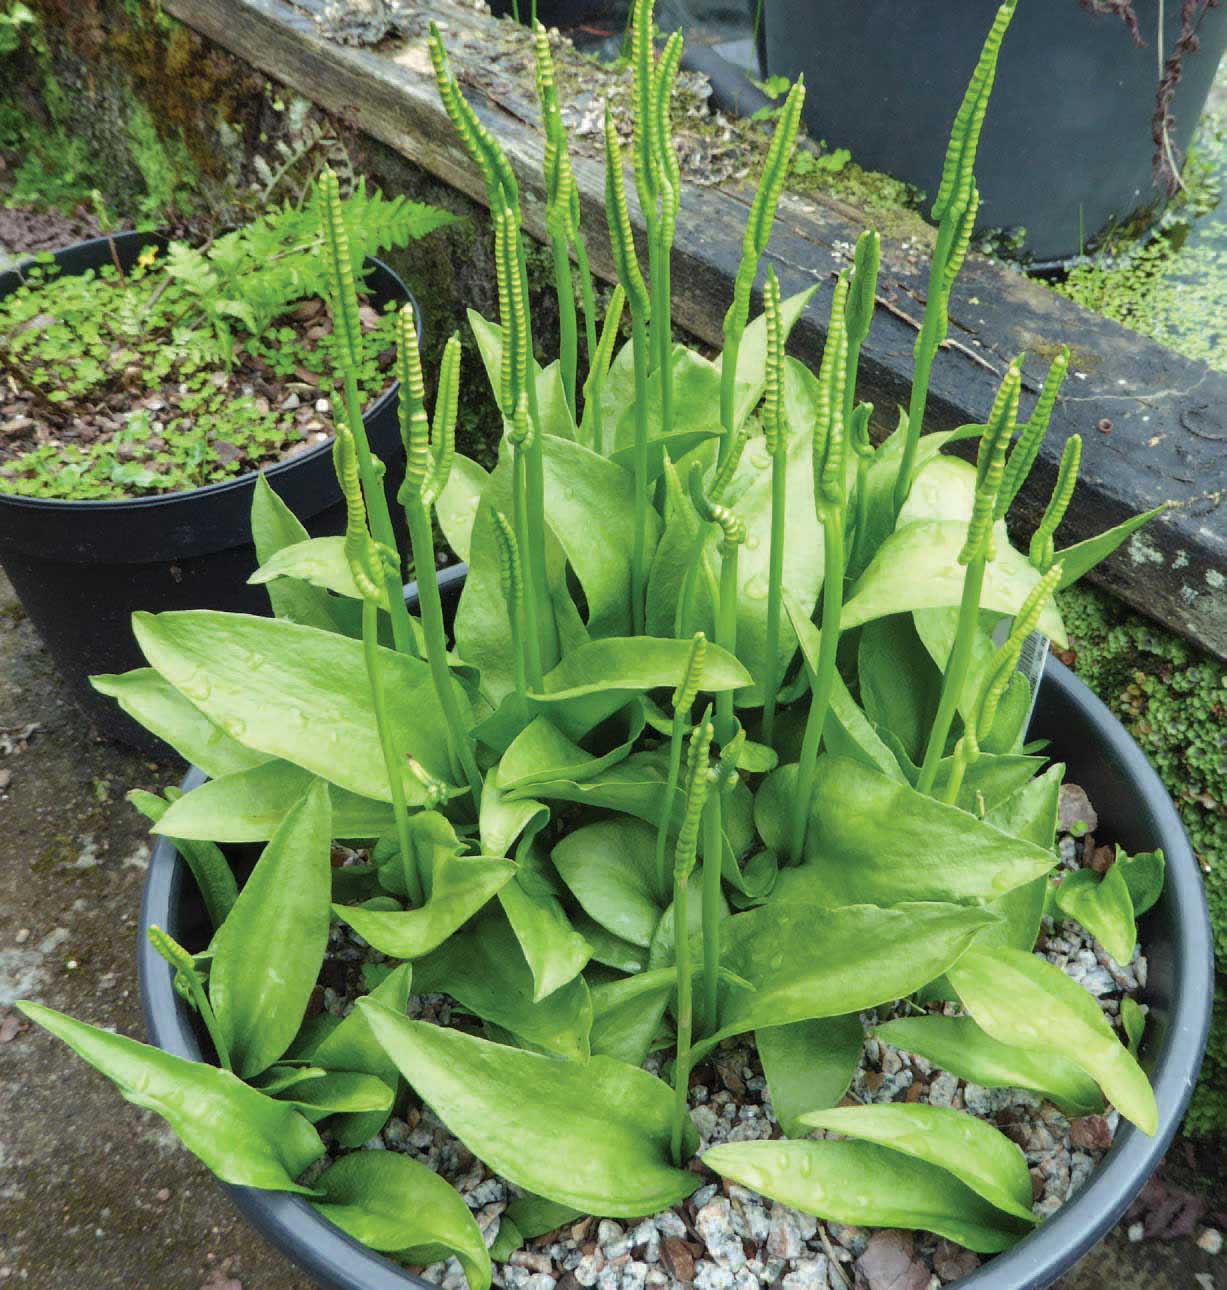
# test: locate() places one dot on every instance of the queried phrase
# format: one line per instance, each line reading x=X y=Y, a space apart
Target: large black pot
x=1135 y=810
x=80 y=569
x=554 y=13
x=1066 y=149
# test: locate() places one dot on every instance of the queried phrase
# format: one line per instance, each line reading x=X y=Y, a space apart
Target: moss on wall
x=1173 y=700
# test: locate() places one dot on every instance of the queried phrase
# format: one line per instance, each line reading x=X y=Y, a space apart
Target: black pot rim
x=338 y=1262
x=99 y=506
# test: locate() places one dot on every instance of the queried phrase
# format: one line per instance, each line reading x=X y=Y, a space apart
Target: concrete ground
x=94 y=1194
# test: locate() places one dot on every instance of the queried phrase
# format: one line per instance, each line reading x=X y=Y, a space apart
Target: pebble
x=714 y=1223
x=1211 y=1240
x=808 y=1274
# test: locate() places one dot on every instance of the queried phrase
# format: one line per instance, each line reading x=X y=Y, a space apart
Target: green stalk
x=639 y=569
x=185 y=967
x=821 y=683
x=591 y=340
x=713 y=856
x=957 y=666
x=511 y=578
x=598 y=368
x=683 y=701
x=522 y=521
x=726 y=635
x=775 y=587
x=460 y=746
x=391 y=760
x=568 y=344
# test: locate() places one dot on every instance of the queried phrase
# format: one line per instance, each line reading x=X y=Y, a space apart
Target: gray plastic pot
x=1066 y=150
x=1135 y=810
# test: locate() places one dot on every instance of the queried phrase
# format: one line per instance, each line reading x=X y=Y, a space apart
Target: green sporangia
x=724 y=737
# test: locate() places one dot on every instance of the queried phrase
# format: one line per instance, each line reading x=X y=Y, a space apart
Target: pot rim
x=338 y=1262
x=101 y=505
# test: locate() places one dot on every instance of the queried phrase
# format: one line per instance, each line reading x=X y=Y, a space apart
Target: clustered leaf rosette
x=668 y=774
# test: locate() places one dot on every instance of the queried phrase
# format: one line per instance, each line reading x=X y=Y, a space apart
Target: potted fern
x=155 y=388
x=662 y=833
x=1099 y=96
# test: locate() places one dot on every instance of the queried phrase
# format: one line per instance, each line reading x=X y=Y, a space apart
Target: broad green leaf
x=249 y=805
x=607 y=949
x=917 y=568
x=874 y=840
x=634 y=787
x=1133 y=1023
x=457 y=886
x=350 y=1046
x=610 y=867
x=484 y=970
x=1021 y=999
x=975 y=1152
x=861 y=1184
x=341 y=1093
x=1082 y=557
x=392 y=1203
x=504 y=821
x=555 y=951
x=542 y=752
x=958 y=1045
x=1143 y=876
x=848 y=732
x=300 y=694
x=535 y=1216
x=458 y=504
x=243 y=1136
x=507 y=1240
x=751 y=379
x=273 y=527
x=626 y=1014
x=268 y=953
x=899 y=685
x=1103 y=906
x=607 y=1124
x=696 y=414
x=936 y=629
x=804 y=962
x=550 y=397
x=809 y=1065
x=320 y=561
x=153 y=702
x=210 y=869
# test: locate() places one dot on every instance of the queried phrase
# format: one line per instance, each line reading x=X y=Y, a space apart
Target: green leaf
x=535 y=1216
x=917 y=568
x=751 y=379
x=542 y=752
x=555 y=951
x=627 y=1014
x=340 y=1093
x=864 y=825
x=809 y=1065
x=484 y=970
x=243 y=1136
x=610 y=867
x=1103 y=906
x=350 y=1046
x=153 y=702
x=506 y=1241
x=268 y=953
x=608 y=949
x=457 y=886
x=1024 y=1000
x=958 y=1045
x=1082 y=557
x=210 y=869
x=273 y=527
x=696 y=414
x=804 y=962
x=1143 y=876
x=1133 y=1022
x=458 y=503
x=319 y=561
x=391 y=1203
x=861 y=1184
x=300 y=694
x=249 y=805
x=976 y=1153
x=899 y=685
x=607 y=1124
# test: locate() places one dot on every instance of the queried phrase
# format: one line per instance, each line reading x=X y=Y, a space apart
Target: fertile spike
x=443 y=426
x=339 y=269
x=990 y=468
x=622 y=240
x=641 y=73
x=862 y=292
x=829 y=443
x=962 y=240
x=858 y=430
x=732 y=527
x=684 y=695
x=1006 y=660
x=414 y=426
x=511 y=577
x=664 y=154
x=1031 y=436
x=696 y=795
x=728 y=467
x=1042 y=553
x=773 y=403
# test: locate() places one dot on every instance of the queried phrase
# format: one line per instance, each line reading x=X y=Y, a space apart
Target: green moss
x=1173 y=700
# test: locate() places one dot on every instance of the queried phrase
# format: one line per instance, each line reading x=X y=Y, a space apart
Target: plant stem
x=775 y=587
x=588 y=297
x=685 y=1011
x=726 y=636
x=823 y=681
x=955 y=676
x=713 y=855
x=639 y=342
x=568 y=343
x=860 y=511
x=728 y=392
x=951 y=794
x=521 y=520
x=391 y=760
x=460 y=747
x=662 y=333
x=676 y=738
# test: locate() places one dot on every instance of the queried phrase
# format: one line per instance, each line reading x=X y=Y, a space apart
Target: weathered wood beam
x=1153 y=423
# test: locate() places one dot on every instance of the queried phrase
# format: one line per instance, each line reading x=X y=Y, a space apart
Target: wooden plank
x=1154 y=424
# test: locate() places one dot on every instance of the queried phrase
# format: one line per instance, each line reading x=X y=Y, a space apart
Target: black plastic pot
x=1066 y=149
x=80 y=569
x=1135 y=810
x=554 y=13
